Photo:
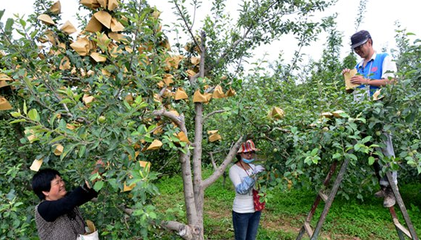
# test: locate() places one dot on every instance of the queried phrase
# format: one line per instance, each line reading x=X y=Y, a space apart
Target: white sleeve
x=234 y=176
x=389 y=67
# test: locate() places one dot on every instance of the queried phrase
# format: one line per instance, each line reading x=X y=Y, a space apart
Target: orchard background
x=149 y=107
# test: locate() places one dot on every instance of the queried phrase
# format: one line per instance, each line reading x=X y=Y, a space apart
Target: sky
x=379 y=20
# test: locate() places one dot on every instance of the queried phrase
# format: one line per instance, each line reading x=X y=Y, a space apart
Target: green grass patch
x=286 y=211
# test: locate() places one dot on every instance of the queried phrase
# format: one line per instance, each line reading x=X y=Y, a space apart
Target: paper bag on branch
x=218 y=93
x=92 y=4
x=128 y=188
x=180 y=94
x=4 y=77
x=156 y=144
x=58 y=150
x=198 y=97
x=112 y=4
x=3 y=84
x=182 y=137
x=36 y=165
x=68 y=28
x=87 y=99
x=168 y=79
x=276 y=113
x=81 y=46
x=51 y=37
x=116 y=36
x=46 y=19
x=377 y=96
x=93 y=25
x=64 y=64
x=326 y=114
x=30 y=135
x=56 y=8
x=146 y=165
x=4 y=104
x=98 y=57
x=195 y=60
x=116 y=26
x=104 y=18
x=338 y=113
x=230 y=92
x=102 y=3
x=214 y=135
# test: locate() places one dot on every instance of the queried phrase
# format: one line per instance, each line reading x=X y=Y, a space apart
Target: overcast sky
x=380 y=19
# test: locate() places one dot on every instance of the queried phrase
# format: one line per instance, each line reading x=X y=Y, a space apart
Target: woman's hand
x=258 y=169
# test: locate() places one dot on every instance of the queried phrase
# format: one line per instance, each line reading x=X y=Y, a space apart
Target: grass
x=286 y=211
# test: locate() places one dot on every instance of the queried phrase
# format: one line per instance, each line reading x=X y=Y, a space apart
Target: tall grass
x=286 y=211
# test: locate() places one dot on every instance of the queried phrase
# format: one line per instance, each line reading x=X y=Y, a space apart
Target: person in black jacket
x=57 y=215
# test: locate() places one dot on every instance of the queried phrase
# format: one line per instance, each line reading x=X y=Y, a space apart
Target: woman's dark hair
x=41 y=181
x=238 y=156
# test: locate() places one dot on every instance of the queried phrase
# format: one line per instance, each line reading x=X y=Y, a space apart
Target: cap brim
x=359 y=44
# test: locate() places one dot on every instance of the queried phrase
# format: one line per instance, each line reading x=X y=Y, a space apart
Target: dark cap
x=359 y=38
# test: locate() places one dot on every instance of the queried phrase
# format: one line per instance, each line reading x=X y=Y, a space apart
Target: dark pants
x=245 y=225
x=388 y=151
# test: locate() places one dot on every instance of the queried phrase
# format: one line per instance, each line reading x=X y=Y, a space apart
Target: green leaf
x=371 y=160
x=127 y=105
x=1 y=13
x=33 y=115
x=18 y=121
x=66 y=100
x=25 y=108
x=67 y=150
x=52 y=119
x=98 y=185
x=113 y=183
x=82 y=151
x=57 y=139
x=366 y=139
x=16 y=114
x=9 y=23
x=352 y=156
x=357 y=147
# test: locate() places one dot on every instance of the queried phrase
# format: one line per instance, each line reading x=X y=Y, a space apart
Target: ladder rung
x=308 y=229
x=402 y=229
x=323 y=196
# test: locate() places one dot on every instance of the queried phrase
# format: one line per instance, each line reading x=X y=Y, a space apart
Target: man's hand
x=358 y=79
x=346 y=70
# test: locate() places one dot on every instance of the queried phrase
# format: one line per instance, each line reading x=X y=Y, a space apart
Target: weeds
x=286 y=212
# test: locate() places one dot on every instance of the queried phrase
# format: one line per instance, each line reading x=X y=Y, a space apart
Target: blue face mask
x=247 y=160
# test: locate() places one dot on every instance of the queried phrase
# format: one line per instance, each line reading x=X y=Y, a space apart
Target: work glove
x=258 y=169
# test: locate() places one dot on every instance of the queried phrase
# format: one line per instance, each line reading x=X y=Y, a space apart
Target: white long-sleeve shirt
x=242 y=203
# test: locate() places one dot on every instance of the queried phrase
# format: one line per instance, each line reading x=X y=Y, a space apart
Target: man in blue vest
x=374 y=71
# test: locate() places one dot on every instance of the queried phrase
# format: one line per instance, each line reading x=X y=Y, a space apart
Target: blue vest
x=372 y=70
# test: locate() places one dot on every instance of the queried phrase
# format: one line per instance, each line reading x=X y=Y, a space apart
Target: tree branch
x=189 y=28
x=212 y=113
x=185 y=231
x=228 y=159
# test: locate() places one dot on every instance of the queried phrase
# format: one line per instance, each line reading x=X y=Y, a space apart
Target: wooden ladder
x=314 y=233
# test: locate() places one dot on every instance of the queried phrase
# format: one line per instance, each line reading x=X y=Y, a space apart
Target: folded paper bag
x=46 y=19
x=4 y=104
x=347 y=76
x=68 y=28
x=56 y=8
